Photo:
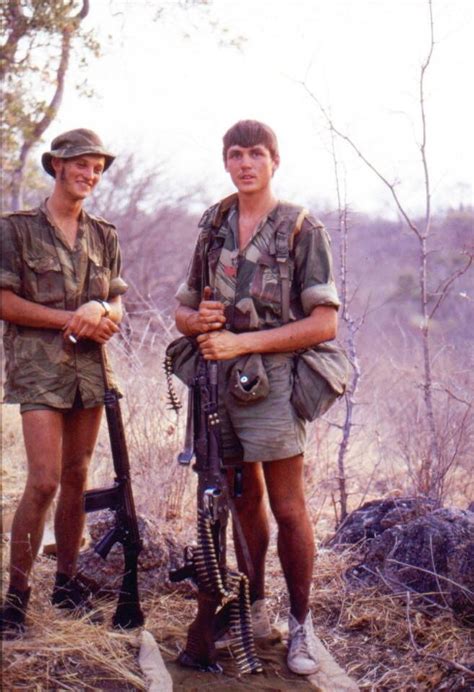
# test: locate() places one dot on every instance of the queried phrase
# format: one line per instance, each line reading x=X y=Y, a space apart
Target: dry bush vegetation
x=381 y=643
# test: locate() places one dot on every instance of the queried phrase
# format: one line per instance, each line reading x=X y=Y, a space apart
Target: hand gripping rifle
x=223 y=595
x=119 y=499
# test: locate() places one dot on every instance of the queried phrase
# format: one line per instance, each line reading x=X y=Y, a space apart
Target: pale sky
x=169 y=89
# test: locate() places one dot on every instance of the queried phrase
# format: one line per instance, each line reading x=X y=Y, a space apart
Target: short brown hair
x=249 y=133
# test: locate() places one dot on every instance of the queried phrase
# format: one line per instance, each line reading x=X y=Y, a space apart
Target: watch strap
x=105 y=305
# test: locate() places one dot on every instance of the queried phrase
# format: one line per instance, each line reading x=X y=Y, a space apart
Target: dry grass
x=66 y=654
x=380 y=641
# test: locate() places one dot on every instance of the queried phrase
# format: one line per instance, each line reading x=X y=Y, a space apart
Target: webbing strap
x=283 y=246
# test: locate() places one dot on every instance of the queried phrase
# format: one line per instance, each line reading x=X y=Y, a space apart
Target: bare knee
x=75 y=475
x=252 y=499
x=290 y=516
x=41 y=490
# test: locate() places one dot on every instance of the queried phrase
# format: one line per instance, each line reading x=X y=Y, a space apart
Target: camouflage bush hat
x=75 y=143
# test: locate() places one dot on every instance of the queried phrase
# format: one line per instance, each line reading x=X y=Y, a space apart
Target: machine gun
x=119 y=499
x=223 y=594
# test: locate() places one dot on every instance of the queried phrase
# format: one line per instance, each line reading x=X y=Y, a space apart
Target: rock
x=376 y=516
x=432 y=555
x=160 y=551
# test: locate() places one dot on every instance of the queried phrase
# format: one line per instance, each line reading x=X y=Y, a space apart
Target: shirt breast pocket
x=99 y=279
x=43 y=280
x=265 y=286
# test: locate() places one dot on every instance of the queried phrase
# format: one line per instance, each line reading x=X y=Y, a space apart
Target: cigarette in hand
x=73 y=339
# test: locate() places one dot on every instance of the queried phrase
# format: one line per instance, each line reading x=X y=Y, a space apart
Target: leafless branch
x=443 y=289
x=368 y=163
x=421 y=652
x=424 y=160
x=467 y=591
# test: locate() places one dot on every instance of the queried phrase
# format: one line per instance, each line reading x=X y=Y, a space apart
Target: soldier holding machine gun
x=60 y=276
x=239 y=244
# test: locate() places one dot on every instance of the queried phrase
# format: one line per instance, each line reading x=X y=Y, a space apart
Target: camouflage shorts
x=77 y=404
x=268 y=429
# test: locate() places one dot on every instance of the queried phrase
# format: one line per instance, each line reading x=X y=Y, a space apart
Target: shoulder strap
x=212 y=220
x=284 y=245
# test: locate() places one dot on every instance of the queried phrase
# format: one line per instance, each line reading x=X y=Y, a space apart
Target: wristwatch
x=105 y=305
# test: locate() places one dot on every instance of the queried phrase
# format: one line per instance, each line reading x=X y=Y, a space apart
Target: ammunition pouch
x=320 y=377
x=248 y=380
x=183 y=354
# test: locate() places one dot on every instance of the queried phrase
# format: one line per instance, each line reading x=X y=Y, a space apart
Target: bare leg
x=284 y=479
x=81 y=427
x=42 y=432
x=252 y=514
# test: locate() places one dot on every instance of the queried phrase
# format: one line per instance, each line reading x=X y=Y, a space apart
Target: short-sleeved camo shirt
x=247 y=281
x=37 y=264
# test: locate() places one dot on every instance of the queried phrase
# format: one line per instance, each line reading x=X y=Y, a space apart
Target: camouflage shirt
x=38 y=265
x=248 y=281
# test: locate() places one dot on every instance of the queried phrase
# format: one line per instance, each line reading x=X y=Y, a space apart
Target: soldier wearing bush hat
x=75 y=143
x=59 y=278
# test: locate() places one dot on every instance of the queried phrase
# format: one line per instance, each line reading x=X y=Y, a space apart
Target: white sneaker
x=260 y=624
x=302 y=654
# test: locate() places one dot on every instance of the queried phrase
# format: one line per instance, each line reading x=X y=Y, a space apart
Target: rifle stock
x=119 y=499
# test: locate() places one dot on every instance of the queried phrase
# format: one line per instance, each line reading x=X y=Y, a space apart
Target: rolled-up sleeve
x=313 y=267
x=117 y=286
x=10 y=258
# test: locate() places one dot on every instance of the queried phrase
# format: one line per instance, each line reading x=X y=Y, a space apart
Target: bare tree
x=429 y=300
x=352 y=328
x=157 y=231
x=38 y=42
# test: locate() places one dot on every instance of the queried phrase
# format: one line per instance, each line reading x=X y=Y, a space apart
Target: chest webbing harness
x=284 y=243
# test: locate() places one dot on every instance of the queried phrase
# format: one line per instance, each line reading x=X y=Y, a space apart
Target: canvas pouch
x=248 y=380
x=320 y=377
x=183 y=357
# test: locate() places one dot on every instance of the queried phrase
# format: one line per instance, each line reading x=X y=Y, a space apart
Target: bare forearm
x=320 y=326
x=25 y=313
x=209 y=317
x=186 y=321
x=116 y=309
